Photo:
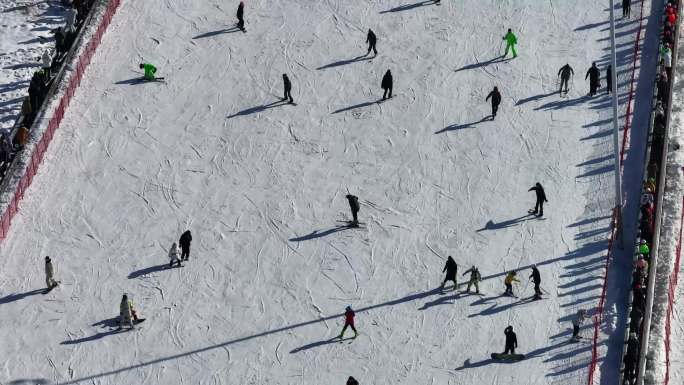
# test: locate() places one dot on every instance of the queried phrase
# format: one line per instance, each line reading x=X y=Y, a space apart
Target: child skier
x=475 y=278
x=49 y=274
x=577 y=321
x=348 y=322
x=174 y=254
x=354 y=206
x=451 y=269
x=536 y=278
x=240 y=17
x=511 y=41
x=150 y=71
x=508 y=281
x=126 y=312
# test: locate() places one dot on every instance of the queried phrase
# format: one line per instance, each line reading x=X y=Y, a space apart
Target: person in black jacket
x=371 y=39
x=626 y=8
x=565 y=72
x=240 y=16
x=288 y=89
x=536 y=278
x=631 y=357
x=184 y=243
x=496 y=100
x=541 y=198
x=594 y=79
x=387 y=85
x=354 y=206
x=451 y=269
x=352 y=381
x=511 y=340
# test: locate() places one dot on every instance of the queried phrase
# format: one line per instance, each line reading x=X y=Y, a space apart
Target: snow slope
x=262 y=188
x=21 y=25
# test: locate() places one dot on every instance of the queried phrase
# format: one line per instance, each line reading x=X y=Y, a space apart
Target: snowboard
x=507 y=357
x=51 y=288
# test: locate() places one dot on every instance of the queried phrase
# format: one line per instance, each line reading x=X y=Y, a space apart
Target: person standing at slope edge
x=184 y=243
x=386 y=85
x=541 y=198
x=496 y=100
x=240 y=16
x=511 y=41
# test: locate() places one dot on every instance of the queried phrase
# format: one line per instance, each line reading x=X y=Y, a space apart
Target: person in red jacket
x=349 y=322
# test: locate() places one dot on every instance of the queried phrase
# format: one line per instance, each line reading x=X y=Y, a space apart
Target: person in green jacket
x=511 y=41
x=150 y=71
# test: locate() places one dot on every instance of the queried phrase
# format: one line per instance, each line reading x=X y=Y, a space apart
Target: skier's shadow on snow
x=148 y=270
x=455 y=127
x=315 y=234
x=345 y=62
x=535 y=97
x=254 y=110
x=20 y=296
x=408 y=7
x=490 y=225
x=498 y=59
x=218 y=32
x=558 y=104
x=110 y=322
x=132 y=81
x=441 y=301
x=319 y=343
x=470 y=365
x=494 y=308
x=360 y=105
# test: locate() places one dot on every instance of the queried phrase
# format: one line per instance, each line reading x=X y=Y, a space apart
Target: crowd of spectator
x=648 y=202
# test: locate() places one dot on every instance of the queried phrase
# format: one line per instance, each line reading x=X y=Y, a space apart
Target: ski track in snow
x=261 y=186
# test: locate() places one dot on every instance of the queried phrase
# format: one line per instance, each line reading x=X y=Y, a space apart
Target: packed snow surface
x=262 y=187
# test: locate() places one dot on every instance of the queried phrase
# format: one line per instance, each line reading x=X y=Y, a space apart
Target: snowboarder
x=511 y=41
x=348 y=322
x=496 y=100
x=508 y=281
x=626 y=8
x=577 y=321
x=541 y=198
x=354 y=206
x=288 y=89
x=451 y=269
x=511 y=340
x=565 y=72
x=174 y=253
x=371 y=39
x=150 y=71
x=352 y=381
x=49 y=274
x=536 y=278
x=475 y=278
x=387 y=85
x=127 y=313
x=184 y=242
x=609 y=79
x=240 y=17
x=593 y=74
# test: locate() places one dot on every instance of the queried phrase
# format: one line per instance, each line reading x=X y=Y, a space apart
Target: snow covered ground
x=261 y=185
x=24 y=35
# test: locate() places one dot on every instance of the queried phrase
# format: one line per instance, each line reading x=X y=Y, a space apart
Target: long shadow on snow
x=254 y=110
x=218 y=32
x=491 y=225
x=148 y=270
x=109 y=322
x=20 y=296
x=590 y=26
x=470 y=365
x=441 y=301
x=345 y=62
x=407 y=7
x=360 y=105
x=558 y=104
x=319 y=343
x=497 y=59
x=494 y=308
x=315 y=234
x=535 y=97
x=598 y=135
x=132 y=81
x=455 y=127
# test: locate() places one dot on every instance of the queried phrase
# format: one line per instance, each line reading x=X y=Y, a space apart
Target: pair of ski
x=49 y=289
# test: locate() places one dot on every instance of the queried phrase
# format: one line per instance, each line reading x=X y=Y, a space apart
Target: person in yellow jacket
x=127 y=312
x=508 y=281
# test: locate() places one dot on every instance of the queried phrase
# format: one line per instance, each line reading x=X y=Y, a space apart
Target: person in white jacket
x=174 y=254
x=577 y=321
x=49 y=274
x=47 y=63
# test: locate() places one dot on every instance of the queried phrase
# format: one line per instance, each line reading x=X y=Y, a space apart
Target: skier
x=150 y=71
x=536 y=278
x=354 y=206
x=352 y=381
x=288 y=89
x=371 y=39
x=475 y=278
x=496 y=100
x=47 y=63
x=508 y=281
x=49 y=274
x=631 y=357
x=348 y=321
x=126 y=312
x=565 y=72
x=184 y=242
x=609 y=79
x=577 y=321
x=626 y=8
x=541 y=198
x=511 y=340
x=240 y=17
x=451 y=269
x=594 y=83
x=511 y=41
x=173 y=255
x=387 y=84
